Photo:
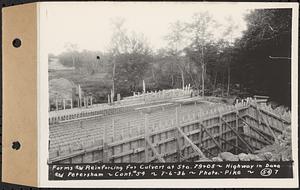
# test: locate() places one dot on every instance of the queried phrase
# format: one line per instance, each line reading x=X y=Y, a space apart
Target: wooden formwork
x=183 y=136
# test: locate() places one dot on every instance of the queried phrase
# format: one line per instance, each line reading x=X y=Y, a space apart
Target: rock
x=204 y=160
x=243 y=157
x=275 y=157
x=217 y=159
x=268 y=155
x=261 y=157
x=228 y=156
x=254 y=157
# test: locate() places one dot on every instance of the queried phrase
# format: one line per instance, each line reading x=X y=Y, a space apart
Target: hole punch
x=17 y=43
x=16 y=145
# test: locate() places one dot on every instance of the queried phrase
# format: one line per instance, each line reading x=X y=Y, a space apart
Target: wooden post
x=200 y=135
x=56 y=104
x=145 y=137
x=105 y=153
x=79 y=95
x=177 y=137
x=118 y=97
x=113 y=128
x=112 y=95
x=105 y=147
x=64 y=103
x=144 y=87
x=220 y=131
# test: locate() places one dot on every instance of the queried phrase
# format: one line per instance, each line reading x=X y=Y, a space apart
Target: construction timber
x=182 y=129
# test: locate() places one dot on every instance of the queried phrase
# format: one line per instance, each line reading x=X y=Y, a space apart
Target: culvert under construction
x=169 y=126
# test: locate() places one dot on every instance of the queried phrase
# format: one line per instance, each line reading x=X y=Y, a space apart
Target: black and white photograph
x=169 y=83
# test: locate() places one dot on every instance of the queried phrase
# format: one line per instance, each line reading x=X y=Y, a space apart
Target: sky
x=89 y=24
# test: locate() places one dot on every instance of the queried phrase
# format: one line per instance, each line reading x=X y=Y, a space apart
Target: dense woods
x=257 y=63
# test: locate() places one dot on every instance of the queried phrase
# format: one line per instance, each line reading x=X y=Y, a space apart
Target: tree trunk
x=153 y=76
x=73 y=62
x=182 y=78
x=203 y=69
x=223 y=82
x=215 y=81
x=172 y=75
x=228 y=80
x=113 y=80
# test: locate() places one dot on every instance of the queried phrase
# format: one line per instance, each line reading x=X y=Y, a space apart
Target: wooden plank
x=146 y=136
x=268 y=125
x=105 y=158
x=205 y=149
x=211 y=136
x=157 y=155
x=195 y=148
x=132 y=151
x=256 y=130
x=237 y=147
x=260 y=140
x=237 y=129
x=178 y=149
x=271 y=114
x=262 y=122
x=79 y=118
x=237 y=134
x=259 y=96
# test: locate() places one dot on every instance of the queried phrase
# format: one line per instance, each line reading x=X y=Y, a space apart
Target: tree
x=176 y=41
x=231 y=27
x=119 y=43
x=201 y=35
x=130 y=57
x=268 y=34
x=73 y=49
